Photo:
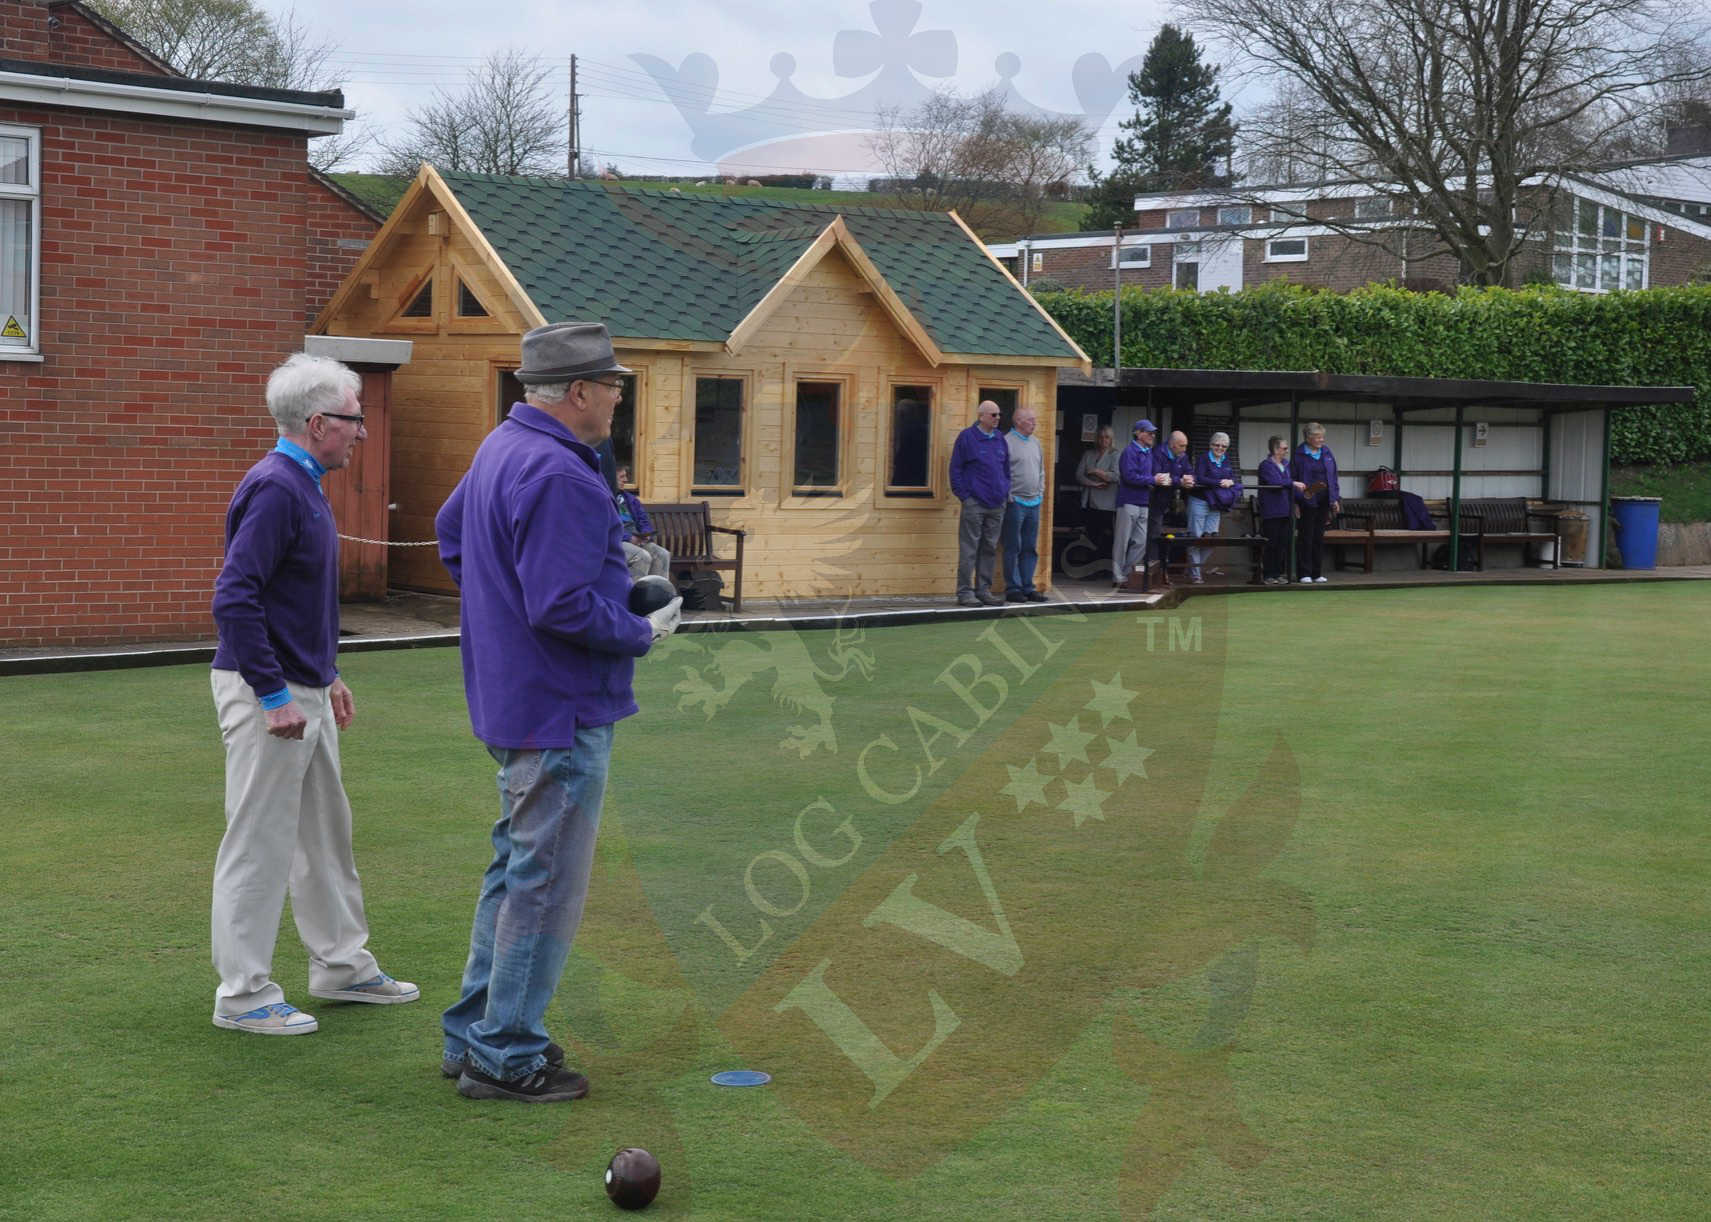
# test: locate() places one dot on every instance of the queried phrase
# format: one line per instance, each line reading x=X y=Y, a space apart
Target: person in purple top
x=533 y=540
x=1216 y=483
x=1134 y=497
x=1173 y=471
x=281 y=705
x=1276 y=509
x=1313 y=469
x=980 y=481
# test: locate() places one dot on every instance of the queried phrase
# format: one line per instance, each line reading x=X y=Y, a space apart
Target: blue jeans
x=1202 y=520
x=531 y=902
x=1021 y=536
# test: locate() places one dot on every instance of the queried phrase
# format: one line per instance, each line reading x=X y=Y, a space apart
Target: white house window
x=1037 y=262
x=1236 y=214
x=1286 y=250
x=1604 y=248
x=20 y=239
x=1135 y=256
x=1373 y=208
x=1182 y=218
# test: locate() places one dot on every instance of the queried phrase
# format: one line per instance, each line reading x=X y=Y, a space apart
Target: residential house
x=802 y=368
x=1632 y=226
x=162 y=243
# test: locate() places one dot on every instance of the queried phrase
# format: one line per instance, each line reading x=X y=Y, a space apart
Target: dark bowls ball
x=632 y=1177
x=650 y=594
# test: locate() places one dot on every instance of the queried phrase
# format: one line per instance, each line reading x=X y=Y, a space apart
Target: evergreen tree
x=1179 y=138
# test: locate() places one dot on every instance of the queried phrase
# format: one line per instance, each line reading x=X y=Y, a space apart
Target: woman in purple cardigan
x=1313 y=468
x=1216 y=484
x=1275 y=509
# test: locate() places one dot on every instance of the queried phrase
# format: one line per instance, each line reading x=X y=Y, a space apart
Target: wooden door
x=359 y=494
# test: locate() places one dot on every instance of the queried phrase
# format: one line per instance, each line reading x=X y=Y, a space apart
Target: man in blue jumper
x=281 y=705
x=980 y=481
x=534 y=542
x=1022 y=514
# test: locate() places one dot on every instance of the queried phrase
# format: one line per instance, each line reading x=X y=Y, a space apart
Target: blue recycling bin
x=1636 y=519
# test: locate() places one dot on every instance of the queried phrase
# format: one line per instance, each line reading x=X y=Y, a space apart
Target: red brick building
x=1636 y=226
x=162 y=244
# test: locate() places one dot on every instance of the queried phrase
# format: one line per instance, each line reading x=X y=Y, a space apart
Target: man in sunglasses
x=281 y=705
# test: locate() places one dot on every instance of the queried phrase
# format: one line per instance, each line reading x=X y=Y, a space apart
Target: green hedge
x=1659 y=337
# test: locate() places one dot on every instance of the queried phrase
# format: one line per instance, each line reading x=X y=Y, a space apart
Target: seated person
x=645 y=557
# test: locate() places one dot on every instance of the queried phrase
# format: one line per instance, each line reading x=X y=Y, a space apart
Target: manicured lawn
x=1385 y=904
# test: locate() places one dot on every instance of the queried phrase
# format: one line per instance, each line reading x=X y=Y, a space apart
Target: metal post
x=1604 y=492
x=1396 y=441
x=1294 y=434
x=1116 y=306
x=1455 y=500
x=1545 y=419
x=575 y=123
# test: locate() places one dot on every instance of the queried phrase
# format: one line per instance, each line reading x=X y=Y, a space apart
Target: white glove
x=666 y=619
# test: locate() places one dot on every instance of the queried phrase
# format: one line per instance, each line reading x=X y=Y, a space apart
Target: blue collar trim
x=301 y=457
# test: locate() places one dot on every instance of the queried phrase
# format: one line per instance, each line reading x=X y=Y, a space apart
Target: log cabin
x=802 y=368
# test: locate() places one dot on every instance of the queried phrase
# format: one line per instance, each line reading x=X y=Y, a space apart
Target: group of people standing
x=1129 y=496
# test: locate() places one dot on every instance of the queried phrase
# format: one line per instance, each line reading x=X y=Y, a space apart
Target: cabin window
x=422 y=304
x=718 y=437
x=819 y=418
x=909 y=471
x=468 y=304
x=624 y=426
x=20 y=239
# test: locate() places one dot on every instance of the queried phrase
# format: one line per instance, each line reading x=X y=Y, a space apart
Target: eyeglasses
x=359 y=421
x=617 y=386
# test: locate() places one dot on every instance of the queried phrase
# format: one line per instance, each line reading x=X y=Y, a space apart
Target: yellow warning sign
x=12 y=330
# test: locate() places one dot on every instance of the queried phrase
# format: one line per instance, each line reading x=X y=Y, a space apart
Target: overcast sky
x=391 y=55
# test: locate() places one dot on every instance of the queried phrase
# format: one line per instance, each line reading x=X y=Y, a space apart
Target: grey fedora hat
x=566 y=351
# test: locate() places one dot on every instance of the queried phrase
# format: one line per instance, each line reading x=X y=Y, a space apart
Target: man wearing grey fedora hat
x=533 y=540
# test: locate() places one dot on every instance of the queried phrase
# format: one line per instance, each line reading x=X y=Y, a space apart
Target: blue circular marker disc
x=741 y=1077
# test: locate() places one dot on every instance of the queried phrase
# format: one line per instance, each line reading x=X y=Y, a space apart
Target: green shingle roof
x=655 y=265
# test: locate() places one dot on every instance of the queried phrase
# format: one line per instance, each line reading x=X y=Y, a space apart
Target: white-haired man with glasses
x=281 y=705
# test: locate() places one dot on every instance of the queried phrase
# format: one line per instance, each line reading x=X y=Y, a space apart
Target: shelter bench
x=686 y=530
x=1373 y=522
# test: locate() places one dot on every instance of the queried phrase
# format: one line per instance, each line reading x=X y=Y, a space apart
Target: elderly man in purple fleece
x=281 y=705
x=534 y=542
x=1134 y=496
x=980 y=481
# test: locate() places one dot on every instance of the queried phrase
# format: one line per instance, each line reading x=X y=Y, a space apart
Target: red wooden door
x=359 y=493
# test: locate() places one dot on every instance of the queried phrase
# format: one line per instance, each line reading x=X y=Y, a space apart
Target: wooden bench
x=686 y=531
x=1373 y=522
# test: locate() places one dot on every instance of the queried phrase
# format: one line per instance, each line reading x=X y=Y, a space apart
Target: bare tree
x=995 y=168
x=1459 y=110
x=505 y=121
x=225 y=40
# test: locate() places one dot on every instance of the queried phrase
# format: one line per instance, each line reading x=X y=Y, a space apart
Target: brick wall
x=338 y=233
x=172 y=279
x=1089 y=267
x=23 y=29
x=1680 y=258
x=80 y=42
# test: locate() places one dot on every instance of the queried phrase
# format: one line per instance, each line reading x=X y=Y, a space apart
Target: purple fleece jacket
x=1174 y=465
x=1306 y=469
x=980 y=467
x=531 y=537
x=1135 y=474
x=1206 y=476
x=276 y=600
x=1274 y=490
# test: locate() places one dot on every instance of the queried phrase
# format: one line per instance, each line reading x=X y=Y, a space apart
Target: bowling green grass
x=1472 y=979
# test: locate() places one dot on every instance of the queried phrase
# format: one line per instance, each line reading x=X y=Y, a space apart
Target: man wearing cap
x=533 y=540
x=980 y=481
x=281 y=705
x=1134 y=494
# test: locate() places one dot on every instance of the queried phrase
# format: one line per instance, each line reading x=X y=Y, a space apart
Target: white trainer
x=382 y=990
x=1306 y=581
x=281 y=1018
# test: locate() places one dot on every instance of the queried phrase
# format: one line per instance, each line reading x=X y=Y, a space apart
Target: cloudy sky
x=740 y=54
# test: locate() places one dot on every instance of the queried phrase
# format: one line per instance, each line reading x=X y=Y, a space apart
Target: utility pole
x=575 y=122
